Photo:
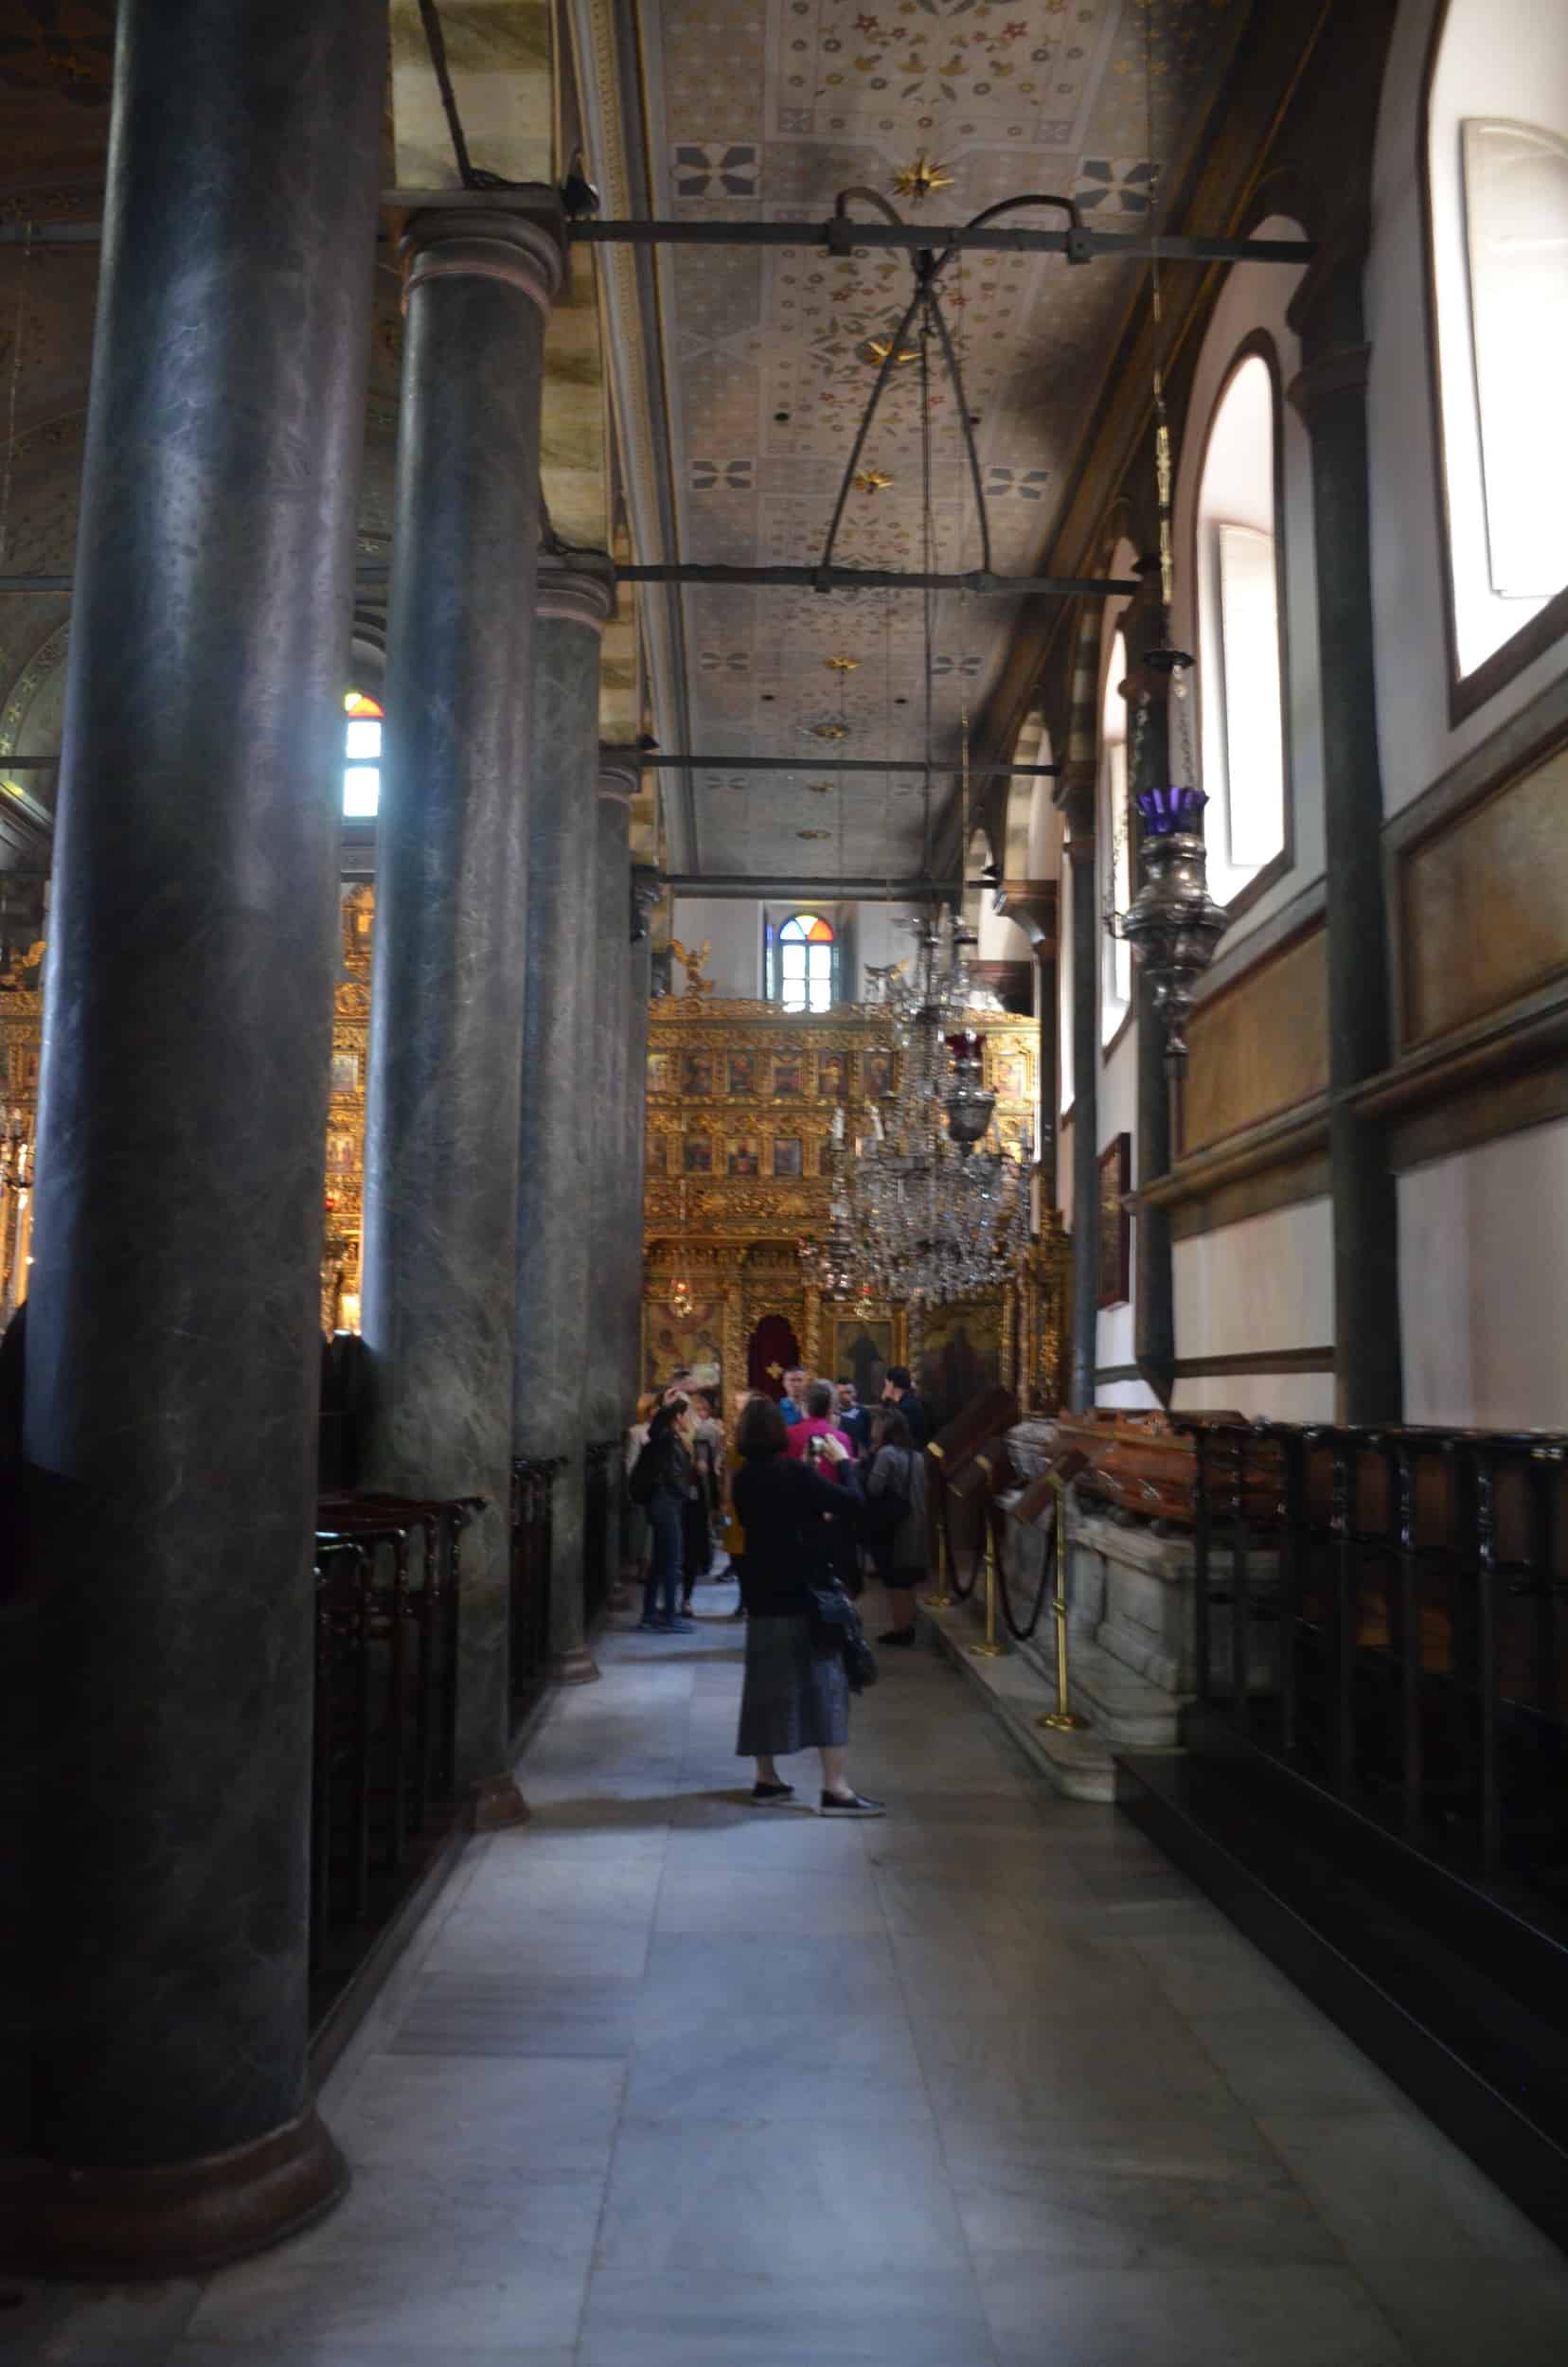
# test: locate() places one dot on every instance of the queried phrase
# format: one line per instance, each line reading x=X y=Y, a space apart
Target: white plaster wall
x=884 y=937
x=1261 y=1396
x=1250 y=1288
x=1265 y=1283
x=1484 y=1284
x=732 y=928
x=1417 y=743
x=1044 y=848
x=1001 y=939
x=1256 y=296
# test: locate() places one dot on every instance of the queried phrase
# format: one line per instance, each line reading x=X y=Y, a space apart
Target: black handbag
x=836 y=1629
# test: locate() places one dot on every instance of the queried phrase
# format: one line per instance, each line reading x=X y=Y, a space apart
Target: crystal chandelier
x=930 y=1205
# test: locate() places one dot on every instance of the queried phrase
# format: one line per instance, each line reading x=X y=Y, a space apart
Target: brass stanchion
x=941 y=1600
x=1064 y=1719
x=991 y=1648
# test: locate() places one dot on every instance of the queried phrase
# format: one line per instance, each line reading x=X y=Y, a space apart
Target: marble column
x=1046 y=954
x=1331 y=395
x=615 y=1216
x=1086 y=1064
x=446 y=1037
x=556 y=1313
x=164 y=2123
x=646 y=890
x=1148 y=750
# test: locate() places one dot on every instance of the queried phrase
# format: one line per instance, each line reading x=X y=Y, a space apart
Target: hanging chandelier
x=928 y=1205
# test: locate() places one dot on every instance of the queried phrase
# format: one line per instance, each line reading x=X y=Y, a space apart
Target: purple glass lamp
x=1173 y=924
x=1167 y=809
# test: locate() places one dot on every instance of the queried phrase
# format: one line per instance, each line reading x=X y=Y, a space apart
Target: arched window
x=1242 y=676
x=806 y=963
x=361 y=753
x=1116 y=822
x=1497 y=184
x=1064 y=984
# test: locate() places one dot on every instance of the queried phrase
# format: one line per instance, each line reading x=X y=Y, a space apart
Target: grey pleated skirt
x=792 y=1699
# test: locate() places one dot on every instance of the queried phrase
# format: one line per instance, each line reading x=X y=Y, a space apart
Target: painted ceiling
x=765 y=110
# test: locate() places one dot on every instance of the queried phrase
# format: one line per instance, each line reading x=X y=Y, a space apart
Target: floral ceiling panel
x=763 y=110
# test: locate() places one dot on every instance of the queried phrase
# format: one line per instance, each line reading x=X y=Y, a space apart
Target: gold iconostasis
x=741 y=1101
x=20 y=1033
x=741 y=1097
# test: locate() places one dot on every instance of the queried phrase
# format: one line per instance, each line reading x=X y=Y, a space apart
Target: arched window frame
x=363 y=716
x=1209 y=704
x=816 y=978
x=1117 y=1000
x=1469 y=688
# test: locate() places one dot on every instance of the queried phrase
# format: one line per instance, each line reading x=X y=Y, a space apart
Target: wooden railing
x=388 y=1585
x=1385 y=1612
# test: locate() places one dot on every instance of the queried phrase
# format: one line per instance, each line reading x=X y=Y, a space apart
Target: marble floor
x=669 y=2083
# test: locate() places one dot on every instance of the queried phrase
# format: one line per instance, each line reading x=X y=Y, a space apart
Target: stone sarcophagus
x=1132 y=1560
x=1147 y=1464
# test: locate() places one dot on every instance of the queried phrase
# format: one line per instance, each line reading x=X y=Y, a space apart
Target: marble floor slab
x=667 y=2082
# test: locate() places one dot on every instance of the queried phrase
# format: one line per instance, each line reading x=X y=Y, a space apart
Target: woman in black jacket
x=669 y=1456
x=792 y=1699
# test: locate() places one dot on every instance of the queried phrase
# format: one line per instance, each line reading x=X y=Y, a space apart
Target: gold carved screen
x=741 y=1098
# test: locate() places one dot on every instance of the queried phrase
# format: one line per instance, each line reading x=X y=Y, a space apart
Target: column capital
x=524 y=248
x=620 y=773
x=577 y=588
x=1328 y=311
x=647 y=888
x=1344 y=369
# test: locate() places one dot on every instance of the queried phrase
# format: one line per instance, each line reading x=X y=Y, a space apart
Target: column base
x=497 y=1803
x=182 y=2218
x=576 y=1667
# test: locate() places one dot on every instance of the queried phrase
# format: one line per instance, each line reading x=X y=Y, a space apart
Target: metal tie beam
x=377 y=571
x=866 y=891
x=839 y=234
x=830 y=763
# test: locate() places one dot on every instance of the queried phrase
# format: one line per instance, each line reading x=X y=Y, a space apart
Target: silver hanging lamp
x=1173 y=923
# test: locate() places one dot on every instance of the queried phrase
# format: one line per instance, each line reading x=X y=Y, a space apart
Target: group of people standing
x=806 y=1487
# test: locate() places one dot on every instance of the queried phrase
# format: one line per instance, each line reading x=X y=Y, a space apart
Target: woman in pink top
x=817 y=1425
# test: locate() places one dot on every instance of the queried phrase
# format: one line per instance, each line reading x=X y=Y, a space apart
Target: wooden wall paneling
x=1483 y=903
x=1258 y=1047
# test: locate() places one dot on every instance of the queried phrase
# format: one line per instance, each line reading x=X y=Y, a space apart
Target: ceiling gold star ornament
x=871 y=481
x=921 y=178
x=829 y=731
x=813 y=834
x=841 y=665
x=877 y=349
x=820 y=789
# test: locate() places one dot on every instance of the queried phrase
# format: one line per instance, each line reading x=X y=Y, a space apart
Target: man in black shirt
x=898 y=1390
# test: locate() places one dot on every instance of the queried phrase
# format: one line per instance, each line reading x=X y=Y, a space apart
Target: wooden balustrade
x=388 y=1590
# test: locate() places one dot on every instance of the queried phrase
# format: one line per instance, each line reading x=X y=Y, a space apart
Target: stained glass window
x=806 y=963
x=361 y=751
